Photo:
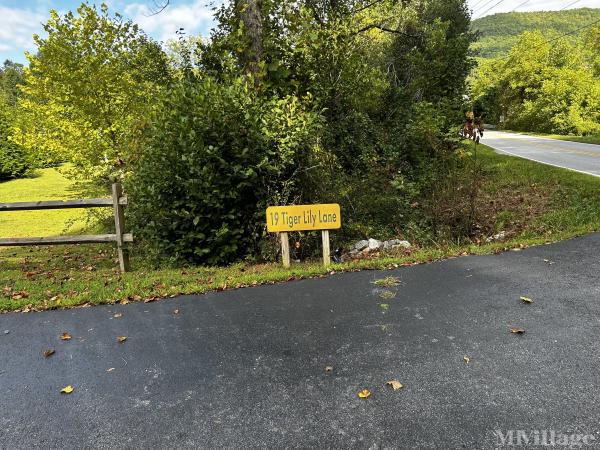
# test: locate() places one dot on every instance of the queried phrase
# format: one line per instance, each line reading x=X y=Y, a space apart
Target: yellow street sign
x=303 y=218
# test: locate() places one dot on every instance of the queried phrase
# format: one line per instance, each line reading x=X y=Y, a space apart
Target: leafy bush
x=14 y=160
x=215 y=155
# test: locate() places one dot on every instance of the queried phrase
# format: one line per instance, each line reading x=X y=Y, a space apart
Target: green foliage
x=352 y=101
x=541 y=86
x=500 y=32
x=217 y=154
x=87 y=86
x=11 y=76
x=14 y=161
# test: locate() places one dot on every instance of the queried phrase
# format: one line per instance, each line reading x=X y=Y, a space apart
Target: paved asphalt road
x=570 y=155
x=245 y=369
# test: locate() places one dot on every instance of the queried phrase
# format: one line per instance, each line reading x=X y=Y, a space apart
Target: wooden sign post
x=283 y=219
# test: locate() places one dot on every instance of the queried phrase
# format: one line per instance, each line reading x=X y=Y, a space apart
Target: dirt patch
x=512 y=209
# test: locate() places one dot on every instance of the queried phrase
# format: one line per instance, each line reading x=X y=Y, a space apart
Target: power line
x=522 y=4
x=489 y=9
x=569 y=5
x=484 y=5
x=473 y=7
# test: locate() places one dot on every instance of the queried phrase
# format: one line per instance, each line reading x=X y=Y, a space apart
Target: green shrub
x=14 y=161
x=215 y=155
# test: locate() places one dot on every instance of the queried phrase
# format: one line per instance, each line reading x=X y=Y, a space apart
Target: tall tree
x=91 y=80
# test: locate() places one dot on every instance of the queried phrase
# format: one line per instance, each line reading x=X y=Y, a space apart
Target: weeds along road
x=247 y=368
x=576 y=156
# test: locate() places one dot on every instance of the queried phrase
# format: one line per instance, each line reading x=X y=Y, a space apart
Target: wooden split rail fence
x=117 y=202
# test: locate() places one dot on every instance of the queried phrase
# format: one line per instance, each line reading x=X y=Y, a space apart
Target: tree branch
x=385 y=29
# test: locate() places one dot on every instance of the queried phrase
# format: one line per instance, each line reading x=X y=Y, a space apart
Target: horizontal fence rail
x=61 y=204
x=117 y=202
x=58 y=240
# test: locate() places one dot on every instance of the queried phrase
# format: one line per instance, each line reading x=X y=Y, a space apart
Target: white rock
x=361 y=245
x=497 y=237
x=403 y=244
x=374 y=244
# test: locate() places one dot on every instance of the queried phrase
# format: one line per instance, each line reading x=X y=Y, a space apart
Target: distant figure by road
x=473 y=128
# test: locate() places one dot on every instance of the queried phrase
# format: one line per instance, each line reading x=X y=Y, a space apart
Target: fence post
x=326 y=251
x=117 y=193
x=285 y=250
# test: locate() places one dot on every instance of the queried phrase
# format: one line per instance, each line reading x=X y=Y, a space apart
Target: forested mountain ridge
x=500 y=32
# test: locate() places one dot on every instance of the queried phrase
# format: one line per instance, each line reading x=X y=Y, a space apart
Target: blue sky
x=20 y=19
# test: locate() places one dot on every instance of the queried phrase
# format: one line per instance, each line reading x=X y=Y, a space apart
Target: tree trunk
x=250 y=13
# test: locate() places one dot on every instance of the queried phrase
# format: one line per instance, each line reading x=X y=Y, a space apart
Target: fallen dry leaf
x=395 y=384
x=526 y=300
x=118 y=315
x=65 y=336
x=121 y=338
x=466 y=359
x=516 y=330
x=67 y=390
x=365 y=393
x=48 y=353
x=328 y=369
x=175 y=311
x=124 y=301
x=20 y=295
x=110 y=370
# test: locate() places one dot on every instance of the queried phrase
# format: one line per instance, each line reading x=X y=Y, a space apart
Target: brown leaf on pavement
x=121 y=339
x=48 y=353
x=526 y=300
x=65 y=336
x=395 y=384
x=516 y=330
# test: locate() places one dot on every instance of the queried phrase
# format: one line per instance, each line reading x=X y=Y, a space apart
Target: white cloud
x=18 y=24
x=18 y=27
x=194 y=18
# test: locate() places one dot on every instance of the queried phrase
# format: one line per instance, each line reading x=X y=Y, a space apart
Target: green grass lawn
x=532 y=203
x=46 y=184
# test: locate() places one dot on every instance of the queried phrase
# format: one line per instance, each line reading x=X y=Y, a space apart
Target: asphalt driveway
x=576 y=156
x=246 y=368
